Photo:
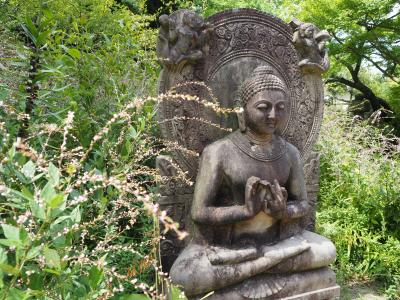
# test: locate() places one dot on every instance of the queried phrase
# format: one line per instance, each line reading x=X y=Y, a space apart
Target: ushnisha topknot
x=263 y=78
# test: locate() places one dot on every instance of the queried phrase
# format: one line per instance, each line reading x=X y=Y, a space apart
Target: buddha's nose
x=272 y=113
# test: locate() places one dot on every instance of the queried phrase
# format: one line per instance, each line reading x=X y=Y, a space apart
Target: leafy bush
x=67 y=224
x=76 y=205
x=359 y=199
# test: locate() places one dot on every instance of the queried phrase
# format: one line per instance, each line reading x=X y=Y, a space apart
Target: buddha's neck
x=257 y=138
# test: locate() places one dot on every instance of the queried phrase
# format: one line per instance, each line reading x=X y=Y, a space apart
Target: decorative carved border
x=270 y=33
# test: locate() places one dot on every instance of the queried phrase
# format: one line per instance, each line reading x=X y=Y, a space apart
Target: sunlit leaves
x=52 y=257
x=54 y=175
x=10 y=232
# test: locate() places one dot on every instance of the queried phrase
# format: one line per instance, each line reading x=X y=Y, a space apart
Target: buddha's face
x=264 y=111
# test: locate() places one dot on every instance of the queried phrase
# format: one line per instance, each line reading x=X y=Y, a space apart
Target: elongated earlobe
x=241 y=122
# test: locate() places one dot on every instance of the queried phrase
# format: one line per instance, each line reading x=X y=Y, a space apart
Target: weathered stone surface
x=322 y=294
x=306 y=281
x=252 y=199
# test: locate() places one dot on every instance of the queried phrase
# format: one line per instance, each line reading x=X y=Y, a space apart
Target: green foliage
x=76 y=209
x=94 y=56
x=359 y=200
x=364 y=50
x=210 y=7
x=65 y=229
x=364 y=28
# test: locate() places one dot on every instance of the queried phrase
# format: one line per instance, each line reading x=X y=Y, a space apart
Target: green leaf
x=95 y=277
x=48 y=192
x=41 y=39
x=8 y=269
x=11 y=152
x=54 y=174
x=31 y=27
x=52 y=258
x=76 y=215
x=10 y=243
x=16 y=294
x=61 y=219
x=29 y=34
x=26 y=193
x=36 y=281
x=29 y=169
x=3 y=91
x=10 y=232
x=33 y=252
x=74 y=53
x=127 y=149
x=37 y=177
x=21 y=177
x=38 y=211
x=132 y=132
x=3 y=255
x=59 y=242
x=178 y=294
x=3 y=260
x=56 y=201
x=52 y=271
x=22 y=195
x=24 y=238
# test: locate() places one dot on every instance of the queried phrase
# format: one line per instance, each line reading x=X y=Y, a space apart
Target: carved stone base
x=318 y=284
x=322 y=294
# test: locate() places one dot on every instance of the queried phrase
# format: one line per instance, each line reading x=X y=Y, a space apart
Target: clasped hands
x=261 y=195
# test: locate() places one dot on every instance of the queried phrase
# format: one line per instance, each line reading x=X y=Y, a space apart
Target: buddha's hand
x=255 y=192
x=276 y=200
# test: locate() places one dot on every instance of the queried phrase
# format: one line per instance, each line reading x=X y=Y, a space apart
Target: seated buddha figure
x=248 y=185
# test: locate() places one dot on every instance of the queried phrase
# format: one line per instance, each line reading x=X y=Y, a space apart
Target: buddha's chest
x=239 y=167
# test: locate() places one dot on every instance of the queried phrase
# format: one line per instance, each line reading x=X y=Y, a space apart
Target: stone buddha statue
x=249 y=185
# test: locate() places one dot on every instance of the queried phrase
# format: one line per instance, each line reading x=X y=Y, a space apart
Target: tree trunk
x=376 y=102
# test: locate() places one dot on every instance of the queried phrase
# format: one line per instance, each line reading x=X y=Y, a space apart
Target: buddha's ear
x=241 y=122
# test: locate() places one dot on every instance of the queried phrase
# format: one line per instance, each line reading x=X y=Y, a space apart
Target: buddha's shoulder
x=292 y=150
x=220 y=147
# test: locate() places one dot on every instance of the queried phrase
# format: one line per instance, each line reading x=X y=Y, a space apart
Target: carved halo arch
x=247 y=35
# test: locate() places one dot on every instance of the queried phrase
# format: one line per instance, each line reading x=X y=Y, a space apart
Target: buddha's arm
x=208 y=183
x=297 y=205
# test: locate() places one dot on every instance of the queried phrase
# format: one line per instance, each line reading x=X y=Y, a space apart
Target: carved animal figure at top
x=163 y=37
x=182 y=38
x=310 y=42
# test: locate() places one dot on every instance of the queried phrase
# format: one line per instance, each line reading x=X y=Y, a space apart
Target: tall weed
x=359 y=199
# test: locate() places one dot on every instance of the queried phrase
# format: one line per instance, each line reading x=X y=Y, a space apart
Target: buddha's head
x=264 y=101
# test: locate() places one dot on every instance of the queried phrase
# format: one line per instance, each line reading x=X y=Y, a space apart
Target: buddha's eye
x=262 y=106
x=281 y=106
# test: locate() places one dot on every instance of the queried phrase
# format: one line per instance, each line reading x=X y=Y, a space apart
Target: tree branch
x=376 y=65
x=376 y=102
